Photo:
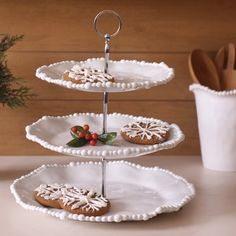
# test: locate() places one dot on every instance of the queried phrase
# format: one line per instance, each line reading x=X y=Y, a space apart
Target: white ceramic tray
x=54 y=132
x=129 y=75
x=135 y=192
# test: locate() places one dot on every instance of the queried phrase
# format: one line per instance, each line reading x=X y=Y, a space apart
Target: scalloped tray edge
x=86 y=153
x=116 y=218
x=88 y=85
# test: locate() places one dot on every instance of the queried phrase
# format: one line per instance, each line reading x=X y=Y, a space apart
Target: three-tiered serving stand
x=170 y=194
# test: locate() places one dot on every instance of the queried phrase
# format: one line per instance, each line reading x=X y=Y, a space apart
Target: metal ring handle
x=107 y=12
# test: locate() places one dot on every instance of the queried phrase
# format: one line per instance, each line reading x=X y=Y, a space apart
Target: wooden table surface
x=211 y=212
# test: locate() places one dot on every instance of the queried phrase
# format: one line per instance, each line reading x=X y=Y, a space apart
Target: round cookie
x=81 y=75
x=48 y=194
x=81 y=201
x=147 y=133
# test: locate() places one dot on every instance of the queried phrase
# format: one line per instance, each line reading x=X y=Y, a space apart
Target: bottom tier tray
x=135 y=192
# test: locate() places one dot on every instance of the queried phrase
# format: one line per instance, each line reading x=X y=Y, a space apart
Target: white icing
x=85 y=74
x=86 y=200
x=146 y=130
x=51 y=191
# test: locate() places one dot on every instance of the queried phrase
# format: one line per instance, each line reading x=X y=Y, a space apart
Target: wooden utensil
x=220 y=64
x=203 y=70
x=229 y=73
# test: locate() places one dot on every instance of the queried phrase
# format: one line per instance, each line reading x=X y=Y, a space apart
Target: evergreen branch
x=12 y=92
x=8 y=41
x=16 y=97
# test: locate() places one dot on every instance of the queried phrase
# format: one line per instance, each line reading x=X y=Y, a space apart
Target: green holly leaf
x=77 y=142
x=107 y=137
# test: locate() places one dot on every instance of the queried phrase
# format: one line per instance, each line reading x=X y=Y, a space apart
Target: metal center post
x=107 y=38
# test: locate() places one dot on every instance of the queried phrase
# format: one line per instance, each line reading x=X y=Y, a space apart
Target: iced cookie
x=140 y=132
x=48 y=194
x=81 y=75
x=81 y=201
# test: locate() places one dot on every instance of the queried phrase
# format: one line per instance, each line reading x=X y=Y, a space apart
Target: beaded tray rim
x=123 y=152
x=108 y=86
x=115 y=218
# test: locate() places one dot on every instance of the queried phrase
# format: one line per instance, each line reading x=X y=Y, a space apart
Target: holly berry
x=88 y=136
x=74 y=129
x=86 y=127
x=93 y=142
x=94 y=136
x=81 y=134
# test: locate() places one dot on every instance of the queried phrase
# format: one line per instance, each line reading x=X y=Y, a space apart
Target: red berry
x=74 y=129
x=88 y=136
x=94 y=136
x=86 y=127
x=81 y=134
x=93 y=142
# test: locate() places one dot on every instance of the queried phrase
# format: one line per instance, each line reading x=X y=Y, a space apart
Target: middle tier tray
x=54 y=132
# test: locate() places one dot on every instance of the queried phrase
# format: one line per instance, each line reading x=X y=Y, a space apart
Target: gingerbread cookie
x=81 y=201
x=49 y=194
x=140 y=132
x=81 y=75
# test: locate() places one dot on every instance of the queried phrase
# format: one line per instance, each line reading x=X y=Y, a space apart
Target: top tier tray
x=130 y=75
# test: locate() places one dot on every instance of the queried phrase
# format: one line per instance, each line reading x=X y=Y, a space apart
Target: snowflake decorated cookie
x=149 y=133
x=81 y=75
x=71 y=199
x=49 y=194
x=81 y=201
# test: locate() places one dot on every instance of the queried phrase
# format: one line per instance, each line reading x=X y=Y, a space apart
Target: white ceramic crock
x=216 y=113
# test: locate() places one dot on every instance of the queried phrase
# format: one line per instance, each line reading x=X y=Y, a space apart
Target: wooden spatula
x=203 y=70
x=229 y=73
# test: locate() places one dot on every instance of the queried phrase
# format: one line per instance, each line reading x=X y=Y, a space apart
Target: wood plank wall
x=153 y=30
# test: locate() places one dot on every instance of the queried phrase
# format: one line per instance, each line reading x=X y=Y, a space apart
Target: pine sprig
x=12 y=92
x=8 y=41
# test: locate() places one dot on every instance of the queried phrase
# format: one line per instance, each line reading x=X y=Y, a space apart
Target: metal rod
x=105 y=94
x=105 y=108
x=103 y=177
x=107 y=51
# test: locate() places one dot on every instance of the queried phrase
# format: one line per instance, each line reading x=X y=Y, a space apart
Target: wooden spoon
x=203 y=70
x=220 y=64
x=229 y=73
